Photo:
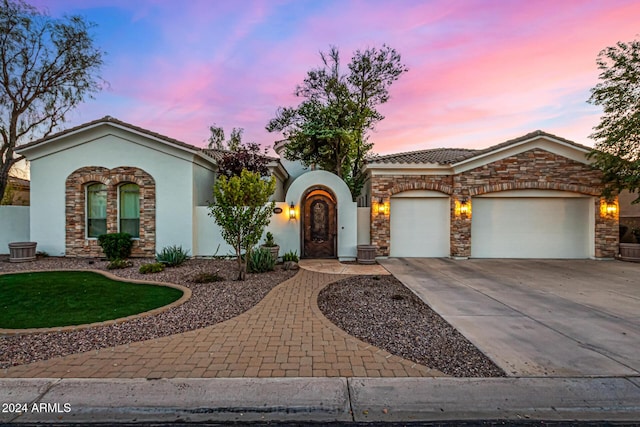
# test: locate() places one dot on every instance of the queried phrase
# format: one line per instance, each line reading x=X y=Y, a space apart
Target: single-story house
x=534 y=196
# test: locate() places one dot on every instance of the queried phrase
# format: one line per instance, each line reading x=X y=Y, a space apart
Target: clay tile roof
x=212 y=153
x=447 y=156
x=443 y=156
x=109 y=119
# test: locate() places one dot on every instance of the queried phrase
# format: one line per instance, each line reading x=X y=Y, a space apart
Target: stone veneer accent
x=76 y=242
x=534 y=169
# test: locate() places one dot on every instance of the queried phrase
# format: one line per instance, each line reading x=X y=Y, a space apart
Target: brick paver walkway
x=285 y=335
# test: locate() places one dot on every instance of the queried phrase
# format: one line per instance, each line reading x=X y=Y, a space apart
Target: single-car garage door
x=532 y=227
x=419 y=224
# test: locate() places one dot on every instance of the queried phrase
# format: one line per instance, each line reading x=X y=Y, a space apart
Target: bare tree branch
x=47 y=67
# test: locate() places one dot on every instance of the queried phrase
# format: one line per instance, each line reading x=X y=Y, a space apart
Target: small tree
x=238 y=154
x=242 y=211
x=48 y=66
x=245 y=157
x=617 y=136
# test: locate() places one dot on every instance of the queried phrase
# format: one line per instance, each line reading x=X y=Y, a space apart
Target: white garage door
x=419 y=225
x=531 y=227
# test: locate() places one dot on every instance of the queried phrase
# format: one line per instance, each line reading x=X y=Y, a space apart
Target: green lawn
x=62 y=298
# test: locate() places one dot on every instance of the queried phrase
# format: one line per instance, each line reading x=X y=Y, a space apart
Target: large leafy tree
x=242 y=210
x=617 y=136
x=329 y=128
x=47 y=67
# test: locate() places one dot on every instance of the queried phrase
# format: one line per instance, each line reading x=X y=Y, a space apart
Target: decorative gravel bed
x=209 y=304
x=383 y=312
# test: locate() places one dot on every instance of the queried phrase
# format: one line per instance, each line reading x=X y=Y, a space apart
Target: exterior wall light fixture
x=292 y=211
x=382 y=207
x=608 y=208
x=463 y=207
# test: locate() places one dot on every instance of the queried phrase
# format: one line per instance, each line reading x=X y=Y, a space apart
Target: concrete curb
x=318 y=399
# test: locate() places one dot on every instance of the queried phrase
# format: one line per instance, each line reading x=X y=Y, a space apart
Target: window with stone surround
x=96 y=210
x=129 y=209
x=136 y=213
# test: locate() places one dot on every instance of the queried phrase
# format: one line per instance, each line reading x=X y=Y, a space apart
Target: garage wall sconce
x=292 y=211
x=381 y=207
x=608 y=208
x=463 y=207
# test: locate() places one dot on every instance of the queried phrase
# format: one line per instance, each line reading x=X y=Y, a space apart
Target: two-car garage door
x=511 y=224
x=531 y=227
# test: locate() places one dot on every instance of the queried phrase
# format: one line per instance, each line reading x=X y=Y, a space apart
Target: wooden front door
x=319 y=226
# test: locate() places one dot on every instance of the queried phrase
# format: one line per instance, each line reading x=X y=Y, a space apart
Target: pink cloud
x=480 y=72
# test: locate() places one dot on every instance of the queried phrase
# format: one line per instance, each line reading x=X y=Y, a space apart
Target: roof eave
x=407 y=168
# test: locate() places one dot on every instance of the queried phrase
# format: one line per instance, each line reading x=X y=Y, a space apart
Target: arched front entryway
x=319 y=224
x=342 y=231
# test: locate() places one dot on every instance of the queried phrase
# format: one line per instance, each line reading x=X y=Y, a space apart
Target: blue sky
x=480 y=72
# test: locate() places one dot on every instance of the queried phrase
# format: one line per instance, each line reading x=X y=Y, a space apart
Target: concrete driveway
x=558 y=318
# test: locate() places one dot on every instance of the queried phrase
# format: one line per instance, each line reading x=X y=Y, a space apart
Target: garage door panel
x=419 y=227
x=530 y=228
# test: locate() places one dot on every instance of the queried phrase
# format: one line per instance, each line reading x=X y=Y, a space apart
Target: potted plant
x=271 y=245
x=630 y=246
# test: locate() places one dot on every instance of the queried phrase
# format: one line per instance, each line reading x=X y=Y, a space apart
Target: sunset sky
x=480 y=72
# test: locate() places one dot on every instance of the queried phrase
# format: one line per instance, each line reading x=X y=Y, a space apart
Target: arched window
x=96 y=210
x=129 y=209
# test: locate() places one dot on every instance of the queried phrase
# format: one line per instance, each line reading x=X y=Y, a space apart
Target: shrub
x=290 y=256
x=207 y=277
x=116 y=245
x=118 y=263
x=172 y=256
x=260 y=261
x=155 y=267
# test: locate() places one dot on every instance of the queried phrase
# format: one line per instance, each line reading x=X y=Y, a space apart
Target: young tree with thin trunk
x=242 y=210
x=47 y=67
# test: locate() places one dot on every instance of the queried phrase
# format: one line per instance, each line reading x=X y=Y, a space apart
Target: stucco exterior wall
x=210 y=241
x=532 y=169
x=364 y=225
x=203 y=179
x=171 y=169
x=14 y=226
